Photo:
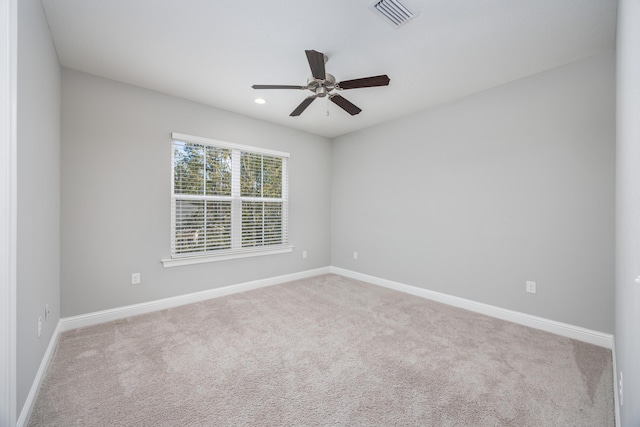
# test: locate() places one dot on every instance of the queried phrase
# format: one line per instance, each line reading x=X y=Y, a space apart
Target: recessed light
x=260 y=101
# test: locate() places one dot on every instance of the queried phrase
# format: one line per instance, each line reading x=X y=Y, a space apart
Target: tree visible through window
x=227 y=198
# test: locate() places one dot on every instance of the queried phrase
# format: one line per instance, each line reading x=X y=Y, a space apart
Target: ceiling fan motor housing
x=321 y=87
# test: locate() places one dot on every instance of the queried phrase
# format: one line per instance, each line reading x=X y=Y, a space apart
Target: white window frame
x=236 y=251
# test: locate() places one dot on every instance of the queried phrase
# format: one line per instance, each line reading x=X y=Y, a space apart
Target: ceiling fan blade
x=303 y=106
x=382 y=80
x=278 y=87
x=345 y=105
x=316 y=63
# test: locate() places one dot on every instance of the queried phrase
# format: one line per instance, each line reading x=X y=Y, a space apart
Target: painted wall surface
x=38 y=189
x=476 y=197
x=116 y=169
x=628 y=209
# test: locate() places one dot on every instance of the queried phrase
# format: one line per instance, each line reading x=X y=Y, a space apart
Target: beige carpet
x=327 y=351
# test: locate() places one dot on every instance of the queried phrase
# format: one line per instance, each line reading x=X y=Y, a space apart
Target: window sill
x=200 y=259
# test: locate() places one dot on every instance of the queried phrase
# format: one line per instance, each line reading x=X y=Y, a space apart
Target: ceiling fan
x=323 y=84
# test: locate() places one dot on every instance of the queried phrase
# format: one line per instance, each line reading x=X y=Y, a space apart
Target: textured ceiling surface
x=213 y=51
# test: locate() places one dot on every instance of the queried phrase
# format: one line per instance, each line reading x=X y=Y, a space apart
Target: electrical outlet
x=304 y=254
x=135 y=278
x=39 y=326
x=47 y=312
x=620 y=389
x=355 y=255
x=531 y=287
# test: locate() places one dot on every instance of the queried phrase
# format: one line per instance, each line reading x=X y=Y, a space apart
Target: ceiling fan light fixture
x=259 y=101
x=393 y=12
x=321 y=91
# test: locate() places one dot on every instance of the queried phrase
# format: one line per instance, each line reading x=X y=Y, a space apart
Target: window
x=227 y=201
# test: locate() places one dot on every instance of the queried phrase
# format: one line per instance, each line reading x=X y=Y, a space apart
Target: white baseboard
x=37 y=381
x=97 y=317
x=576 y=332
x=592 y=337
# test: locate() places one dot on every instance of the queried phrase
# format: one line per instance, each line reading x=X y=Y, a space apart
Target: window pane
x=250 y=175
x=189 y=226
x=218 y=227
x=272 y=223
x=202 y=225
x=251 y=224
x=261 y=224
x=272 y=177
x=188 y=167
x=218 y=171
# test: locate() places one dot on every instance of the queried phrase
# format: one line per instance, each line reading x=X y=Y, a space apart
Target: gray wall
x=476 y=197
x=38 y=189
x=628 y=209
x=116 y=194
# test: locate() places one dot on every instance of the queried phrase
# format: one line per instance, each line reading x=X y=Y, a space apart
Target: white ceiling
x=212 y=51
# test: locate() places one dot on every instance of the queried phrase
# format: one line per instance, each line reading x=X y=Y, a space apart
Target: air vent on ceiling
x=394 y=12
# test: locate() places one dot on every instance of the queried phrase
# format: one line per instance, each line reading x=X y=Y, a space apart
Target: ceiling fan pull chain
x=327 y=106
